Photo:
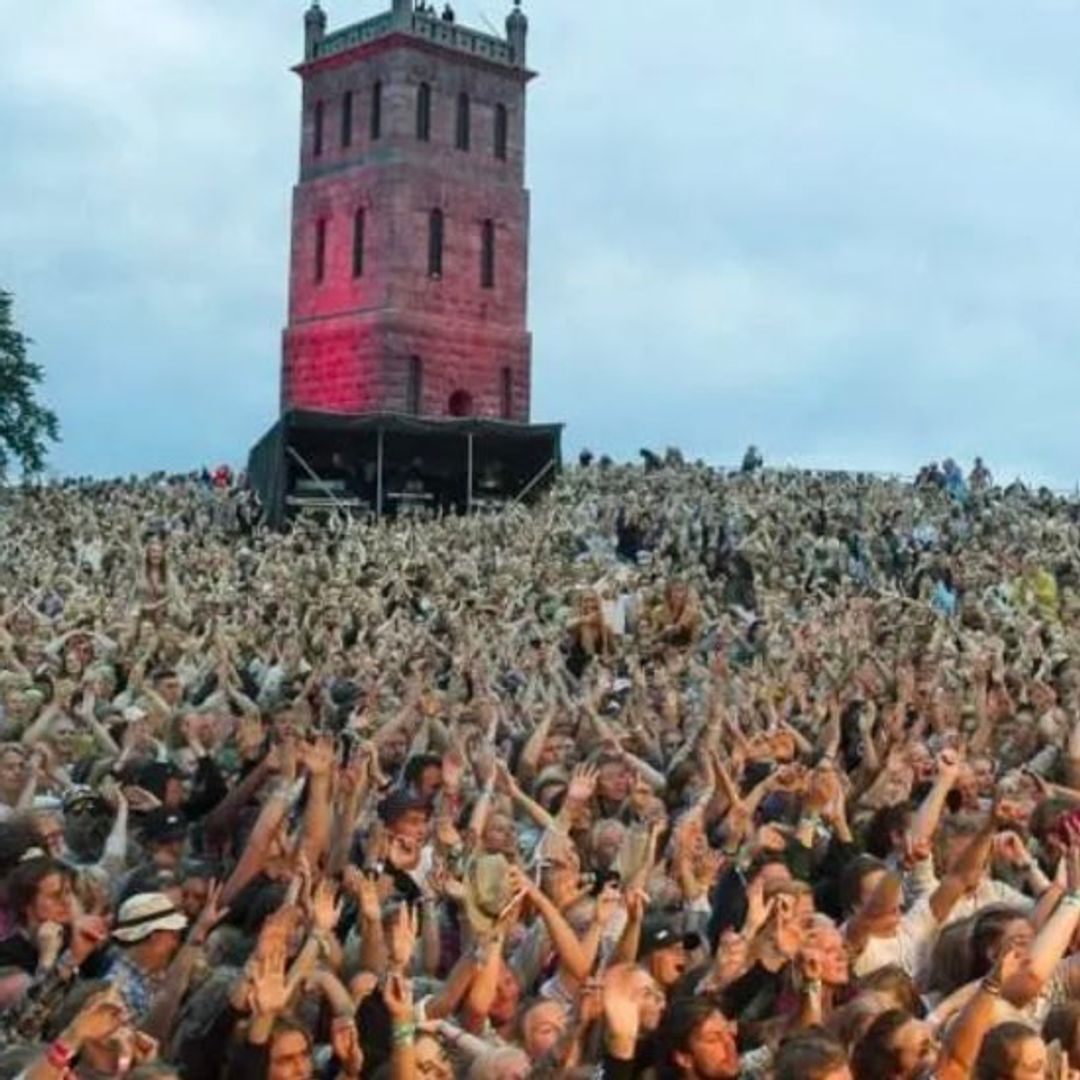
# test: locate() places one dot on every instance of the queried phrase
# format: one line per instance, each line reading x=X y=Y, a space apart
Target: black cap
x=163 y=826
x=664 y=932
x=155 y=775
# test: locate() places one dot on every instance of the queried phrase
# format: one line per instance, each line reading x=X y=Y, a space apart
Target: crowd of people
x=676 y=773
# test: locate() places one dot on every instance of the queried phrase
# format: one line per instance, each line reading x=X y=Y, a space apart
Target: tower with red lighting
x=410 y=223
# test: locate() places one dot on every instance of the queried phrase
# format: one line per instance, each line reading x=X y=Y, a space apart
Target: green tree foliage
x=25 y=425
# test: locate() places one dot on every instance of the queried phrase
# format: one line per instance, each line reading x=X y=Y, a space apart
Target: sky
x=845 y=230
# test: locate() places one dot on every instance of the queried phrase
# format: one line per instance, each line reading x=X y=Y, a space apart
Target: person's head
x=952 y=839
x=697 y=1040
x=542 y=1025
x=825 y=941
x=149 y=928
x=605 y=842
x=164 y=835
x=39 y=891
x=504 y=1063
x=393 y=749
x=811 y=1055
x=895 y=989
x=195 y=887
x=995 y=931
x=1011 y=1051
x=13 y=775
x=103 y=1053
x=290 y=1052
x=63 y=737
x=558 y=749
x=613 y=780
x=155 y=553
x=423 y=775
x=1062 y=1025
x=896 y=1046
x=662 y=950
x=50 y=827
x=432 y=1062
x=507 y=997
x=858 y=883
x=168 y=687
x=499 y=836
x=561 y=874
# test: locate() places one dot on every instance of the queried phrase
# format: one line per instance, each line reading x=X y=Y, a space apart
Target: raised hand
x=582 y=785
x=366 y=891
x=98 y=1020
x=50 y=942
x=269 y=992
x=326 y=909
x=398 y=997
x=401 y=937
x=622 y=1009
x=88 y=933
x=212 y=913
x=345 y=1042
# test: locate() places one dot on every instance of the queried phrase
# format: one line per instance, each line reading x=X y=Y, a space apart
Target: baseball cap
x=155 y=775
x=664 y=932
x=162 y=826
x=145 y=914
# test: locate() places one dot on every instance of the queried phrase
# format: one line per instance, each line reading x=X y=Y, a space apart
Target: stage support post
x=469 y=472
x=379 y=475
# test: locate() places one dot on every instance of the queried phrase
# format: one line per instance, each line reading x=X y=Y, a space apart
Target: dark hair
x=23 y=883
x=16 y=838
x=874 y=1056
x=885 y=823
x=415 y=766
x=1060 y=1027
x=851 y=880
x=683 y=1017
x=895 y=981
x=73 y=1004
x=986 y=935
x=808 y=1055
x=997 y=1058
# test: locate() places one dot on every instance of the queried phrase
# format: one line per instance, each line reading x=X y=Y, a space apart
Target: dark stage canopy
x=389 y=463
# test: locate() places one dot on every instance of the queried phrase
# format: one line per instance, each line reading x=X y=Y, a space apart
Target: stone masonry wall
x=349 y=340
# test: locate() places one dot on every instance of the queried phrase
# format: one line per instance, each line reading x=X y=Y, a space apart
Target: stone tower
x=409 y=267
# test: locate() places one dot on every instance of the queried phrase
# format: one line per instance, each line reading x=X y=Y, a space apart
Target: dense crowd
x=676 y=773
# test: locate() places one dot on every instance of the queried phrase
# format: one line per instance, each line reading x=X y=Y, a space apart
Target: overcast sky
x=847 y=230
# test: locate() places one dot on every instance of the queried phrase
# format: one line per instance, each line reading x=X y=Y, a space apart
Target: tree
x=25 y=425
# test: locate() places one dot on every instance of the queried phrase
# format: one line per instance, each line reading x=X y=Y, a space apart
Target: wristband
x=812 y=986
x=403 y=1034
x=59 y=1055
x=1071 y=899
x=991 y=986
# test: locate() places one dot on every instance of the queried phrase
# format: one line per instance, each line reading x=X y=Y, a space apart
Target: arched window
x=460 y=403
x=320 y=250
x=317 y=134
x=461 y=136
x=436 y=228
x=414 y=386
x=423 y=112
x=358 y=244
x=376 y=111
x=487 y=255
x=501 y=126
x=346 y=119
x=506 y=394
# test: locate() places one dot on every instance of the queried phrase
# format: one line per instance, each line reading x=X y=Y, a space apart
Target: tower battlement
x=409 y=266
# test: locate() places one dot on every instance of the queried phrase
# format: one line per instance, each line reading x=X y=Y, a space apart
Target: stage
x=390 y=463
